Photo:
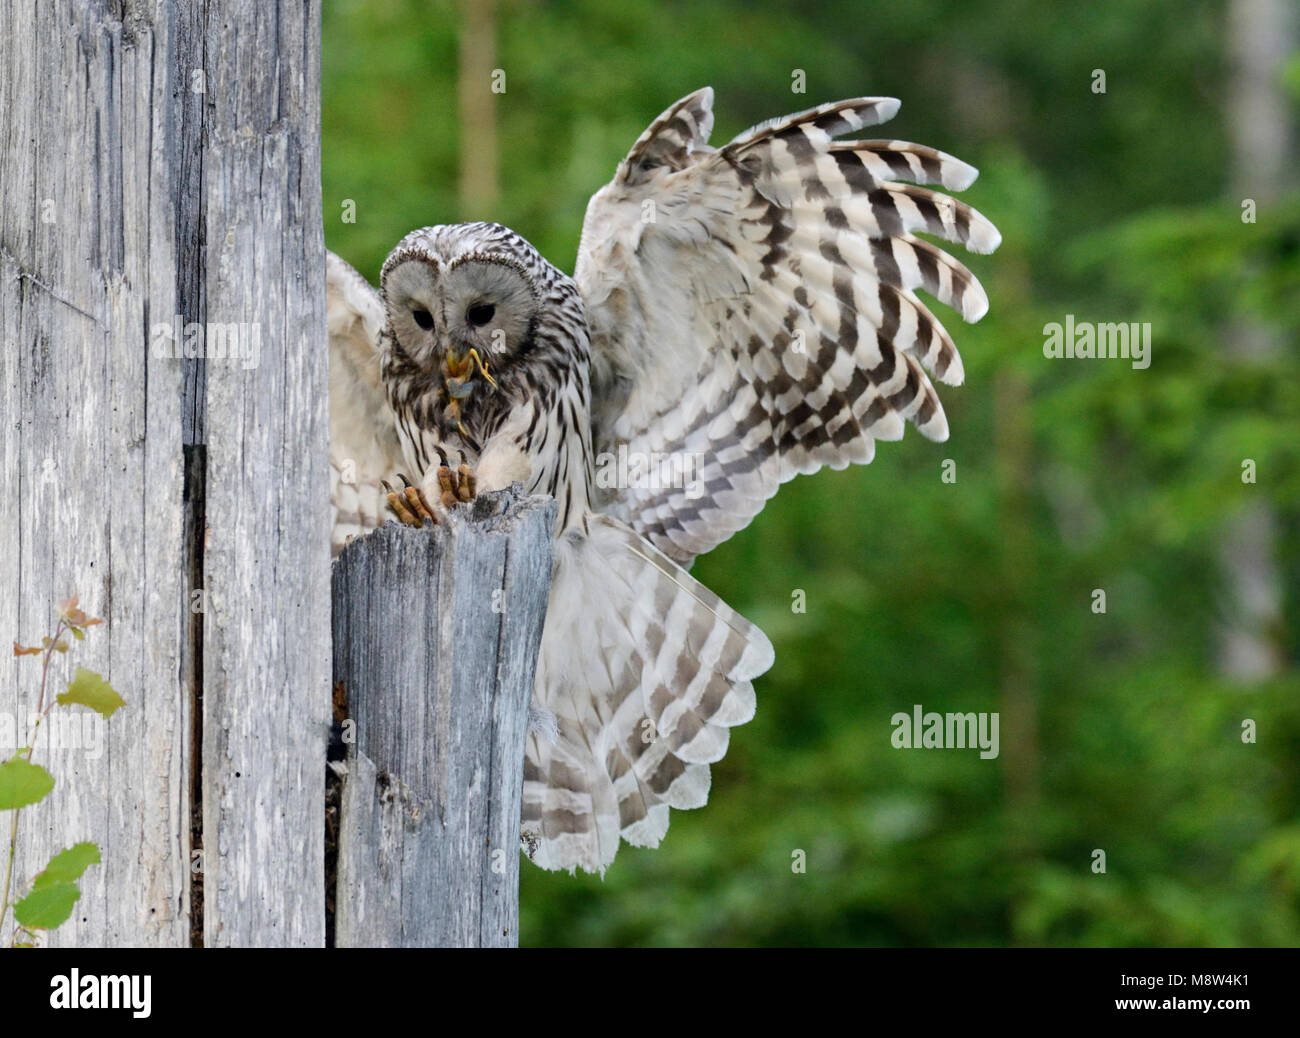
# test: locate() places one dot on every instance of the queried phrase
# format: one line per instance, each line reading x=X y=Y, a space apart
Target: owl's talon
x=409 y=505
x=467 y=487
x=419 y=505
x=397 y=503
x=447 y=487
x=457 y=487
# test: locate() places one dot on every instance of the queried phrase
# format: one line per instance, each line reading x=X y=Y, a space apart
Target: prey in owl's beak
x=458 y=378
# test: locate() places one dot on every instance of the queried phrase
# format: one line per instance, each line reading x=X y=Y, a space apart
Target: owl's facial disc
x=489 y=305
x=465 y=321
x=411 y=292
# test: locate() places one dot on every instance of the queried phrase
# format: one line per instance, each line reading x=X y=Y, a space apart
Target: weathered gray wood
x=266 y=705
x=436 y=634
x=90 y=429
x=159 y=164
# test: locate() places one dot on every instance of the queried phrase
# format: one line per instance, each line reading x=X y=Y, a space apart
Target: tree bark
x=160 y=170
x=436 y=635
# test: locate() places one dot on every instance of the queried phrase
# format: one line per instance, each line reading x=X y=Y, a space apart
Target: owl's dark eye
x=480 y=313
x=423 y=318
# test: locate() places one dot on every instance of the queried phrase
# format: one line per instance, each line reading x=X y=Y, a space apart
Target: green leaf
x=88 y=689
x=78 y=633
x=47 y=907
x=67 y=866
x=22 y=783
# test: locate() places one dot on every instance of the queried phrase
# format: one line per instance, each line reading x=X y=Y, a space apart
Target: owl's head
x=452 y=289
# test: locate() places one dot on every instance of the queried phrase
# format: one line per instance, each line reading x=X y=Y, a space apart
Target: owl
x=738 y=316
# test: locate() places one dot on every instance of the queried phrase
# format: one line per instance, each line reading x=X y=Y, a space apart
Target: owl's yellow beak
x=458 y=370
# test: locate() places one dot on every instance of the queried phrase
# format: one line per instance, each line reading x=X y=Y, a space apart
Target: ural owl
x=738 y=316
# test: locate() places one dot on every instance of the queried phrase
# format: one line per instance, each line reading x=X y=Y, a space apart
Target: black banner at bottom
x=141 y=987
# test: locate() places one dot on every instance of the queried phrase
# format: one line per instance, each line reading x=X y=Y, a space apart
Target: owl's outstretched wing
x=363 y=434
x=753 y=309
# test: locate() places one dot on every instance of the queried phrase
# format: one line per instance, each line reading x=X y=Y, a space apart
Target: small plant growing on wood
x=53 y=892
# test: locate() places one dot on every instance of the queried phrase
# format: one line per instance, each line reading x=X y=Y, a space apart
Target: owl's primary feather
x=738 y=316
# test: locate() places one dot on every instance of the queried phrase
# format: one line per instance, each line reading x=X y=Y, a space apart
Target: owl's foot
x=410 y=505
x=458 y=486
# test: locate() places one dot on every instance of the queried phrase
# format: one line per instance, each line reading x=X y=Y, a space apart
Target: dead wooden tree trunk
x=436 y=634
x=163 y=429
x=1261 y=38
x=477 y=87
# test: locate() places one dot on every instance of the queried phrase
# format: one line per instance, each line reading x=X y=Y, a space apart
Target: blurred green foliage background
x=1120 y=731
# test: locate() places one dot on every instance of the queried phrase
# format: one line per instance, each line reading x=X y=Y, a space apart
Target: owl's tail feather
x=645 y=671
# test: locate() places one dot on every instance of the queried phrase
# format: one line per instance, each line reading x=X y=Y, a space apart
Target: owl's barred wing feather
x=753 y=308
x=363 y=440
x=645 y=671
